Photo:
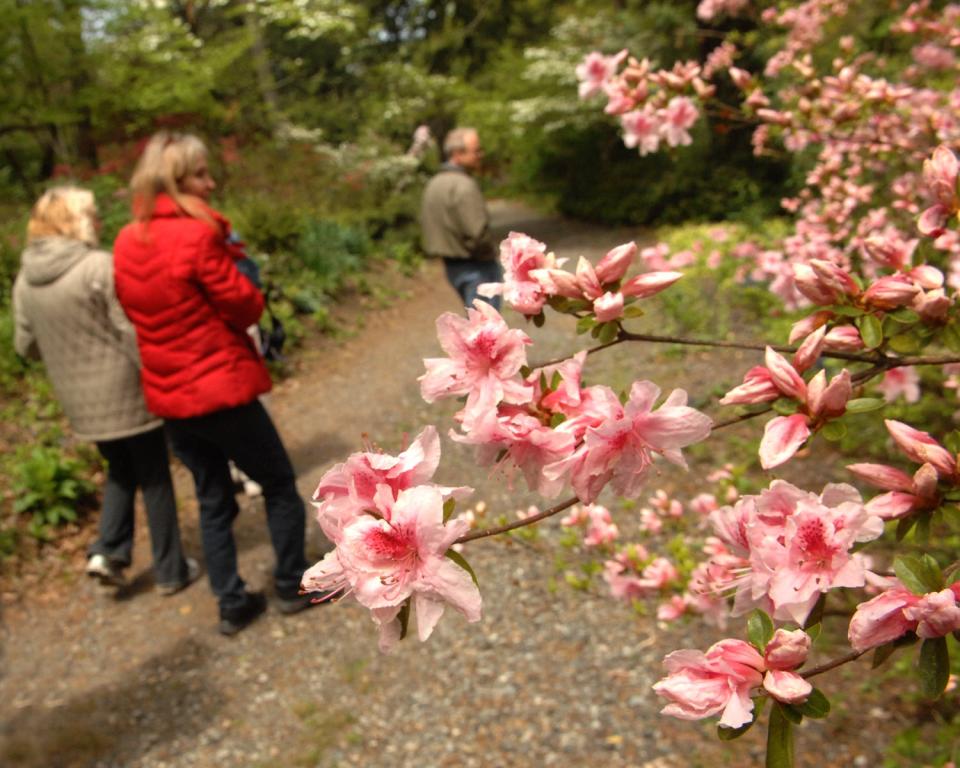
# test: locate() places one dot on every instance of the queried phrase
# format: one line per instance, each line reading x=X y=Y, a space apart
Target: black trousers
x=140 y=461
x=247 y=436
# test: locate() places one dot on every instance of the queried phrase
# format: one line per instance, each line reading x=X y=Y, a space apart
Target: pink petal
x=782 y=438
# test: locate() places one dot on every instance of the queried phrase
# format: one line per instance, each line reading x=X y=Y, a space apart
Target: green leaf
x=785 y=407
x=759 y=629
x=952 y=442
x=846 y=311
x=919 y=574
x=922 y=534
x=814 y=632
x=834 y=431
x=816 y=706
x=584 y=324
x=608 y=332
x=934 y=666
x=404 y=617
x=881 y=654
x=906 y=343
x=779 y=739
x=525 y=371
x=459 y=560
x=556 y=380
x=865 y=404
x=632 y=311
x=729 y=734
x=871 y=331
x=539 y=320
x=904 y=527
x=905 y=316
x=951 y=336
x=792 y=713
x=448 y=506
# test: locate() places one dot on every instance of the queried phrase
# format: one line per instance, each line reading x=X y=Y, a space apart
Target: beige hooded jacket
x=65 y=310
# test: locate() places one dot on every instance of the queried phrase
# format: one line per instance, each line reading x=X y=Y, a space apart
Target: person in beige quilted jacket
x=66 y=313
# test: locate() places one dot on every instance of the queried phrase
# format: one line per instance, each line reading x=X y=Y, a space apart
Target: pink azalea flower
x=485 y=358
x=785 y=376
x=622 y=449
x=596 y=70
x=601 y=528
x=659 y=574
x=679 y=115
x=881 y=619
x=891 y=292
x=614 y=265
x=720 y=681
x=641 y=128
x=935 y=613
x=843 y=338
x=523 y=260
x=384 y=561
x=672 y=609
x=809 y=351
x=902 y=381
x=808 y=325
x=348 y=490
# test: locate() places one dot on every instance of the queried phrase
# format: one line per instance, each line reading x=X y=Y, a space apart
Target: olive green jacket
x=453 y=217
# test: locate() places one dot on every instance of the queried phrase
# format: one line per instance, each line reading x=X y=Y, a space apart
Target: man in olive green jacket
x=454 y=219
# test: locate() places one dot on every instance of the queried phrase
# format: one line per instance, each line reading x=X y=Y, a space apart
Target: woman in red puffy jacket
x=177 y=280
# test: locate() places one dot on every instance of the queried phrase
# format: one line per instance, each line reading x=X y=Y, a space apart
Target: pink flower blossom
x=650 y=283
x=523 y=259
x=382 y=561
x=720 y=681
x=596 y=70
x=900 y=382
x=758 y=387
x=672 y=609
x=608 y=307
x=787 y=649
x=936 y=614
x=485 y=358
x=641 y=129
x=679 y=115
x=622 y=449
x=782 y=438
x=613 y=266
x=601 y=528
x=787 y=687
x=881 y=619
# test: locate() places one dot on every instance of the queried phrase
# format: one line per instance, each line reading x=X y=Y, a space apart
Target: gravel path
x=550 y=677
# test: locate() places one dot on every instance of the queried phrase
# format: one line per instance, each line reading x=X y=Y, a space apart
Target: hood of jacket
x=45 y=259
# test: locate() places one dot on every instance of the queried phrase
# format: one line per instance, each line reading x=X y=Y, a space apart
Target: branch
x=737 y=419
x=852 y=656
x=519 y=523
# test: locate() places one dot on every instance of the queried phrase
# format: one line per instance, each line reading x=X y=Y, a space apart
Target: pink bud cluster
x=818 y=401
x=532 y=276
x=907 y=495
x=896 y=611
x=722 y=680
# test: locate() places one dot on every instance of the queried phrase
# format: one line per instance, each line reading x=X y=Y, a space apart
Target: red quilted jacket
x=177 y=282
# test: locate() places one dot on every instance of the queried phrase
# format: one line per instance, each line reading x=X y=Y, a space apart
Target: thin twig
x=852 y=656
x=737 y=419
x=519 y=523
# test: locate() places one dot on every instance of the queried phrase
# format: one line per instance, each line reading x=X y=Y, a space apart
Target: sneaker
x=291 y=604
x=193 y=572
x=234 y=620
x=107 y=572
x=252 y=488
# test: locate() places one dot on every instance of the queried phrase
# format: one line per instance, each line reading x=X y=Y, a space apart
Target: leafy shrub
x=331 y=252
x=52 y=487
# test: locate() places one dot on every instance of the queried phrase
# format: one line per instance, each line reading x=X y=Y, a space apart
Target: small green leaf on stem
x=834 y=431
x=816 y=706
x=461 y=561
x=871 y=331
x=729 y=734
x=865 y=404
x=608 y=332
x=934 y=666
x=585 y=324
x=759 y=629
x=779 y=739
x=448 y=506
x=919 y=574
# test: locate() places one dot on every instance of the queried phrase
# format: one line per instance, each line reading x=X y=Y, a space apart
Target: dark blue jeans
x=465 y=275
x=246 y=436
x=132 y=462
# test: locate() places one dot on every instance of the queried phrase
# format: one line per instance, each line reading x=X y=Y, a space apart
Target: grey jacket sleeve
x=24 y=342
x=103 y=283
x=470 y=211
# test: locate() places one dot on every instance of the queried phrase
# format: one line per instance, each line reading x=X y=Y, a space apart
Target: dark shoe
x=235 y=619
x=193 y=573
x=109 y=573
x=291 y=604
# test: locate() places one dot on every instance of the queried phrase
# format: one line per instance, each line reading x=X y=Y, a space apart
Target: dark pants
x=140 y=460
x=246 y=436
x=465 y=275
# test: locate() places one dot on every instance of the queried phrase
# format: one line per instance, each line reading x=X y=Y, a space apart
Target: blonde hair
x=69 y=212
x=166 y=160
